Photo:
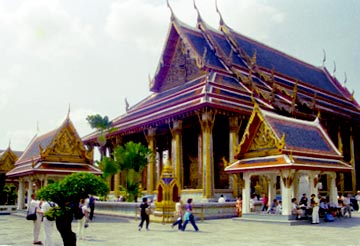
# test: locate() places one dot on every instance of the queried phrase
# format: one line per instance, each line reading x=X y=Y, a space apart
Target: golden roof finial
x=68 y=114
x=37 y=127
x=126 y=105
x=318 y=114
x=324 y=58
x=198 y=12
x=172 y=12
x=218 y=11
x=334 y=70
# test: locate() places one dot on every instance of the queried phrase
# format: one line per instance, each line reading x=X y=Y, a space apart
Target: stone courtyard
x=15 y=230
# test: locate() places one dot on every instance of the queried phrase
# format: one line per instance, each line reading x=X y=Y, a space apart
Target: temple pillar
x=150 y=138
x=207 y=119
x=246 y=193
x=117 y=176
x=340 y=148
x=20 y=195
x=271 y=179
x=333 y=193
x=29 y=191
x=177 y=151
x=234 y=127
x=287 y=190
x=352 y=162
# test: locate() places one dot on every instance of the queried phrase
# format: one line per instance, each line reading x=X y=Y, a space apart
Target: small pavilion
x=49 y=158
x=288 y=151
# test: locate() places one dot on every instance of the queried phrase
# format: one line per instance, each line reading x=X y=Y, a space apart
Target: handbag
x=31 y=216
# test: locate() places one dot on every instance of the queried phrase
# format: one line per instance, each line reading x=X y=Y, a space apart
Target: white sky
x=92 y=54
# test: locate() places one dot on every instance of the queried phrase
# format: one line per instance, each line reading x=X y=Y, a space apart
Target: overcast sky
x=92 y=54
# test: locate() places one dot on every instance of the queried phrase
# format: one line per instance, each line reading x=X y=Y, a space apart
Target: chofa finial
x=172 y=12
x=218 y=11
x=324 y=58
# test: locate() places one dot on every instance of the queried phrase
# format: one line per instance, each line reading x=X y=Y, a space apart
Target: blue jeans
x=178 y=222
x=192 y=221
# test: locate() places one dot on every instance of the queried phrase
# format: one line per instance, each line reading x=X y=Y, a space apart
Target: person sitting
x=296 y=210
x=278 y=209
x=346 y=209
x=272 y=208
x=324 y=207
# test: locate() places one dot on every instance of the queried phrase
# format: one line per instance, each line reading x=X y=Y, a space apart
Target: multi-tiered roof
x=223 y=69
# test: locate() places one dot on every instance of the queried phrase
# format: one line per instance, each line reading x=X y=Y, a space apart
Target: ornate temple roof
x=201 y=66
x=60 y=151
x=8 y=158
x=273 y=141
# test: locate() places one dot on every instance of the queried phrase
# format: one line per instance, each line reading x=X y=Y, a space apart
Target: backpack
x=78 y=213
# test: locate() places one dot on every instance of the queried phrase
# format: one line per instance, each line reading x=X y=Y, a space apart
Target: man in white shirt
x=35 y=205
x=221 y=199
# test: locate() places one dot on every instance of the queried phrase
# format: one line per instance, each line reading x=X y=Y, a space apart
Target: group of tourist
x=320 y=206
x=182 y=219
x=40 y=207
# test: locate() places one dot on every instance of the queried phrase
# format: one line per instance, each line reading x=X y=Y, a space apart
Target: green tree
x=9 y=194
x=131 y=159
x=67 y=194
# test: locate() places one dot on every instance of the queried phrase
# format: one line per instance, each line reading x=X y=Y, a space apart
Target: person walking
x=47 y=223
x=82 y=222
x=238 y=206
x=179 y=213
x=144 y=213
x=91 y=207
x=35 y=207
x=189 y=216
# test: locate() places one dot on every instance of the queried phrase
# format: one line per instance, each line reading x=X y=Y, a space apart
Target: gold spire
x=68 y=114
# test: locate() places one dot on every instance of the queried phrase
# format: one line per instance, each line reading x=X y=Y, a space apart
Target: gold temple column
x=234 y=127
x=352 y=162
x=207 y=120
x=177 y=151
x=150 y=138
x=340 y=148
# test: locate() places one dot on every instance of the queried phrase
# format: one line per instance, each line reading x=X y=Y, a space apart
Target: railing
x=7 y=209
x=202 y=211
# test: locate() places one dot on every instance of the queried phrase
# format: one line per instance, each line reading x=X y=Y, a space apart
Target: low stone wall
x=202 y=211
x=7 y=209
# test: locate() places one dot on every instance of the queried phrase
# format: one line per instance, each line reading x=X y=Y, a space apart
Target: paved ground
x=15 y=230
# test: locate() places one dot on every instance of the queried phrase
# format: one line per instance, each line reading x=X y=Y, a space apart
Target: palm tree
x=131 y=159
x=102 y=124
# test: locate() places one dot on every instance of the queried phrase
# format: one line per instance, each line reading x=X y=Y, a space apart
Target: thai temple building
x=49 y=158
x=235 y=116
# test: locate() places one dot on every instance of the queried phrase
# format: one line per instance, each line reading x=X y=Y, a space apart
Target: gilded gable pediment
x=66 y=147
x=264 y=139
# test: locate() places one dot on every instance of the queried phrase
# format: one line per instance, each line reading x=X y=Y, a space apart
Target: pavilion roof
x=273 y=141
x=58 y=151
